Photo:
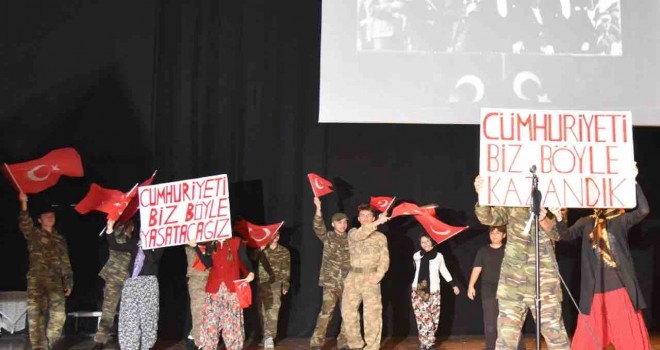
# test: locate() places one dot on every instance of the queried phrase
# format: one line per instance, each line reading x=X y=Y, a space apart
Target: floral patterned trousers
x=427 y=314
x=222 y=313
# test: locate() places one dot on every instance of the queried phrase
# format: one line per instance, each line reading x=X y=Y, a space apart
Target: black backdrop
x=199 y=87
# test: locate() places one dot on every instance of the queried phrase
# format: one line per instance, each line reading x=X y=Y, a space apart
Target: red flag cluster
x=40 y=174
x=257 y=236
x=425 y=215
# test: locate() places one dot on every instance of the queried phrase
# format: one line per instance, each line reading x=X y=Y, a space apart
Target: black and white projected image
x=585 y=27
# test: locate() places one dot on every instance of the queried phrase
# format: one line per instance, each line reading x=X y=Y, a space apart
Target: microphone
x=533 y=169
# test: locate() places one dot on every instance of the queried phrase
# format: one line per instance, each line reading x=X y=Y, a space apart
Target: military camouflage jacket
x=48 y=253
x=336 y=261
x=368 y=250
x=274 y=267
x=119 y=247
x=518 y=275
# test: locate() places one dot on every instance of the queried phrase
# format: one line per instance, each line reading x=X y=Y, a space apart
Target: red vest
x=225 y=270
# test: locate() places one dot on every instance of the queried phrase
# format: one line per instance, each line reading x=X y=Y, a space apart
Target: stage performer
x=429 y=265
x=121 y=242
x=370 y=261
x=610 y=297
x=488 y=263
x=273 y=281
x=516 y=290
x=221 y=311
x=197 y=279
x=49 y=277
x=335 y=265
x=139 y=306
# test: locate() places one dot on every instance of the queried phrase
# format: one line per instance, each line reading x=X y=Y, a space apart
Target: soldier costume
x=273 y=274
x=197 y=280
x=369 y=258
x=48 y=277
x=516 y=287
x=334 y=269
x=114 y=272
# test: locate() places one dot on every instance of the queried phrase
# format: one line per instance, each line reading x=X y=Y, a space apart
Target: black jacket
x=617 y=229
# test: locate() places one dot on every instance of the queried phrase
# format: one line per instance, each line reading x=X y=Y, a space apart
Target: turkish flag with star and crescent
x=132 y=206
x=320 y=186
x=256 y=236
x=381 y=203
x=437 y=229
x=40 y=174
x=111 y=202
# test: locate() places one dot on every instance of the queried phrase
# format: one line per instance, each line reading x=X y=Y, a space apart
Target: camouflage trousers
x=331 y=296
x=111 y=296
x=269 y=303
x=512 y=315
x=45 y=300
x=197 y=293
x=358 y=290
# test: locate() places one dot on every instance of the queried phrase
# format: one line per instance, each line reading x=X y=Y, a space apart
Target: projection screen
x=440 y=61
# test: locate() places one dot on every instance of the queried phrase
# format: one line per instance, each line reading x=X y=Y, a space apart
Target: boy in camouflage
x=334 y=269
x=370 y=261
x=49 y=278
x=273 y=274
x=115 y=271
x=516 y=287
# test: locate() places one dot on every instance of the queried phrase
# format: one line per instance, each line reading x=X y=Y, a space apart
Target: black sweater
x=617 y=229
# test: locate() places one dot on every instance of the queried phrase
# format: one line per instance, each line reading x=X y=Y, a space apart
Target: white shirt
x=436 y=268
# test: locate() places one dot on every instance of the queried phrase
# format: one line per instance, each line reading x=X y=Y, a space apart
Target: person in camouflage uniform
x=197 y=279
x=370 y=261
x=273 y=274
x=334 y=269
x=49 y=278
x=115 y=271
x=516 y=289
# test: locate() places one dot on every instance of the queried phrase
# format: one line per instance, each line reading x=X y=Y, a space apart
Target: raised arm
x=320 y=229
x=636 y=216
x=25 y=223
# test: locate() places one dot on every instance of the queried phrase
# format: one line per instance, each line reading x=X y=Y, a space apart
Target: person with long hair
x=429 y=265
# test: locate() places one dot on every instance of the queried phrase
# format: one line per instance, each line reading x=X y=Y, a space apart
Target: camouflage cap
x=339 y=216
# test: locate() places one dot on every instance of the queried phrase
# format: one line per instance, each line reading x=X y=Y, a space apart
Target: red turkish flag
x=256 y=236
x=437 y=229
x=111 y=202
x=429 y=209
x=381 y=203
x=132 y=206
x=39 y=174
x=320 y=186
x=406 y=208
x=198 y=264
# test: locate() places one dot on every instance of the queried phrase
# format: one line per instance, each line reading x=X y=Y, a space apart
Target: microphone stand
x=536 y=211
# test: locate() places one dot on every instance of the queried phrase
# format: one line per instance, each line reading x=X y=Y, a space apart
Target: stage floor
x=19 y=342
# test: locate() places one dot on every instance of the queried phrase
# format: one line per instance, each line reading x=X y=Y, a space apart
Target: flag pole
x=13 y=178
x=388 y=207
